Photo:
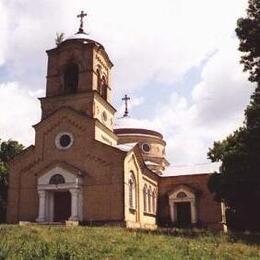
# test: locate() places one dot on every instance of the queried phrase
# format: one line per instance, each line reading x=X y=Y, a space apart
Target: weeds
x=52 y=242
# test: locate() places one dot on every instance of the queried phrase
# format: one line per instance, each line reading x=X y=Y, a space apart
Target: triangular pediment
x=68 y=171
x=64 y=112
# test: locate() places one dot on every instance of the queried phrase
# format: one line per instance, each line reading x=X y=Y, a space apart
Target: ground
x=59 y=242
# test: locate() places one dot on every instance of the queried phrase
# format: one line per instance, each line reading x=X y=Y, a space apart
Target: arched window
x=154 y=202
x=103 y=88
x=98 y=81
x=71 y=78
x=181 y=195
x=145 y=197
x=149 y=199
x=132 y=186
x=57 y=179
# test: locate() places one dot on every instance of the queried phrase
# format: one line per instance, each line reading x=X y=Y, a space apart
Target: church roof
x=126 y=147
x=206 y=168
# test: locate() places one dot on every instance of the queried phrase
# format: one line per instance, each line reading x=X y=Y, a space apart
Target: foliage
x=59 y=38
x=248 y=31
x=59 y=242
x=238 y=183
x=8 y=150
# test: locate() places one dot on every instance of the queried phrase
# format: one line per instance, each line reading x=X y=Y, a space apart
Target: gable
x=68 y=176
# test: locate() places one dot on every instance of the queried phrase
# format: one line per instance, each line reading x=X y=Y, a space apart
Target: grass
x=60 y=242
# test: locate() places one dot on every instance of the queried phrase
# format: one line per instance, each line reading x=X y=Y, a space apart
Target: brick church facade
x=82 y=169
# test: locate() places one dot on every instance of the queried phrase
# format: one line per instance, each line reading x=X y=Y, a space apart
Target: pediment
x=70 y=173
x=79 y=119
x=189 y=192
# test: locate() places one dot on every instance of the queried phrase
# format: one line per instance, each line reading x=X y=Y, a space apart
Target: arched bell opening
x=71 y=78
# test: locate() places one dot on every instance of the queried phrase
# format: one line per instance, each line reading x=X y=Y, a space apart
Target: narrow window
x=145 y=198
x=149 y=199
x=154 y=202
x=132 y=196
x=103 y=88
x=98 y=82
x=71 y=78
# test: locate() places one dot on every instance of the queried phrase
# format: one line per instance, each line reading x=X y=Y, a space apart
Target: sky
x=178 y=60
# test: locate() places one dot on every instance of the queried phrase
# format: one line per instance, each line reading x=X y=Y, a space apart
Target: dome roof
x=137 y=132
x=77 y=36
x=84 y=38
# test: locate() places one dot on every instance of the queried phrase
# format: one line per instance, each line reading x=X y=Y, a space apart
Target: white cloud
x=216 y=109
x=3 y=34
x=19 y=110
x=148 y=41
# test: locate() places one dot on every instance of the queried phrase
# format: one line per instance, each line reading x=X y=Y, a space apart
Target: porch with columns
x=59 y=181
x=183 y=194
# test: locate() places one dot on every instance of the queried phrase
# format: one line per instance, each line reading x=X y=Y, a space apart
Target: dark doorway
x=71 y=78
x=183 y=214
x=62 y=206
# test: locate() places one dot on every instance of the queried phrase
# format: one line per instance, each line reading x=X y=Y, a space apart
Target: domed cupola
x=150 y=143
x=81 y=35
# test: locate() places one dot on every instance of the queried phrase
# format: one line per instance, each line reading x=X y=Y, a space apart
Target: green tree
x=8 y=150
x=248 y=32
x=238 y=183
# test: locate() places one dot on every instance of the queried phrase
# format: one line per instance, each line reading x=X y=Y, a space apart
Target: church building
x=83 y=170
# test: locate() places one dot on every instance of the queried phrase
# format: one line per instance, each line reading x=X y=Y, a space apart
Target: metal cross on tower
x=81 y=16
x=126 y=99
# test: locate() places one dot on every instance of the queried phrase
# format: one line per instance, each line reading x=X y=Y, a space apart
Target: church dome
x=151 y=144
x=82 y=37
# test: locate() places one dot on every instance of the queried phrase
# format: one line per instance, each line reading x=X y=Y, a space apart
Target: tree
x=248 y=32
x=8 y=150
x=238 y=183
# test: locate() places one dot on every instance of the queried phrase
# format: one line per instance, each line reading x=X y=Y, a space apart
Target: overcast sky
x=176 y=59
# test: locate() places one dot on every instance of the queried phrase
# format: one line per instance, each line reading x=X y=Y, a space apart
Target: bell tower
x=79 y=77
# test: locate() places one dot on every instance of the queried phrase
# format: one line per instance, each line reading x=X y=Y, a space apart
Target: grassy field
x=58 y=242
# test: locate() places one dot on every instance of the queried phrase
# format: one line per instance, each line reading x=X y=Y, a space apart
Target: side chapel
x=82 y=169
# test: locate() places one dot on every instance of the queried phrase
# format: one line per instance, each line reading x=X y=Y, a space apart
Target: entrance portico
x=60 y=196
x=182 y=202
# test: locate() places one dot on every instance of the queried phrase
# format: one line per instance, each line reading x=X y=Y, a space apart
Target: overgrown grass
x=60 y=242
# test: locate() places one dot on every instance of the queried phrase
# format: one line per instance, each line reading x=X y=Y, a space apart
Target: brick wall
x=208 y=210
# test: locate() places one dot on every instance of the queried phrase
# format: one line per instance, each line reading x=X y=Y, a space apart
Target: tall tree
x=8 y=150
x=238 y=183
x=248 y=32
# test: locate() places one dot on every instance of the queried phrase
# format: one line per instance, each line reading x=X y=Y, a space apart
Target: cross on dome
x=126 y=99
x=81 y=16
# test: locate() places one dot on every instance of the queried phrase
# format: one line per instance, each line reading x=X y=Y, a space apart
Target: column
x=74 y=204
x=193 y=212
x=172 y=211
x=42 y=206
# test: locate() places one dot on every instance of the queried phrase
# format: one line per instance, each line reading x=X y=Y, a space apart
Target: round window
x=146 y=148
x=64 y=140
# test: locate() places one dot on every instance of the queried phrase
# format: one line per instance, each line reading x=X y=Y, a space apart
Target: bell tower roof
x=81 y=34
x=82 y=37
